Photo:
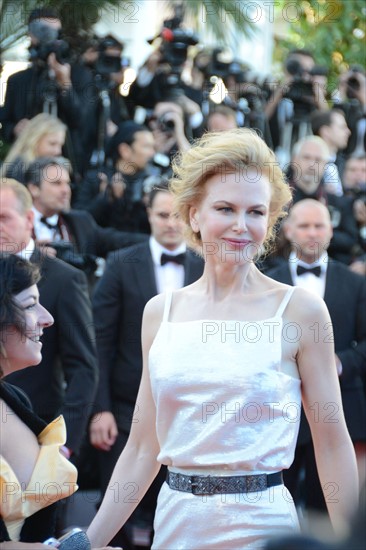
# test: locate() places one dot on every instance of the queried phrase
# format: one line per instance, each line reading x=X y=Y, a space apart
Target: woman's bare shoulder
x=307 y=306
x=154 y=309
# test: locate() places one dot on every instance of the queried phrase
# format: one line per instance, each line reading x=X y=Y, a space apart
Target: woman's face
x=233 y=216
x=50 y=145
x=24 y=350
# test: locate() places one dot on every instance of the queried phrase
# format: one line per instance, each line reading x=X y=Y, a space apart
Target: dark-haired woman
x=34 y=475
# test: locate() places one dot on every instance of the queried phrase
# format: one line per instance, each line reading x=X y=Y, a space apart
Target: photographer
x=351 y=98
x=114 y=195
x=331 y=126
x=354 y=180
x=51 y=84
x=160 y=78
x=168 y=127
x=244 y=94
x=106 y=108
x=302 y=91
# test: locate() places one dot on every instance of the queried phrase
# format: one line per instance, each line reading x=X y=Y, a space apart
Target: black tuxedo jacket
x=68 y=353
x=120 y=297
x=88 y=237
x=345 y=297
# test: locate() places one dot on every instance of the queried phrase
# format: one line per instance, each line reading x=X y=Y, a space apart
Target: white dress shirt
x=309 y=281
x=171 y=275
x=44 y=233
x=27 y=251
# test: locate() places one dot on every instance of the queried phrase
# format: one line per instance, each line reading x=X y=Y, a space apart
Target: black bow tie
x=177 y=259
x=48 y=224
x=314 y=270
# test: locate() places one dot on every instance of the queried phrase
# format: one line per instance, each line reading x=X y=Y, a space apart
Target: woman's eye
x=258 y=212
x=32 y=306
x=224 y=209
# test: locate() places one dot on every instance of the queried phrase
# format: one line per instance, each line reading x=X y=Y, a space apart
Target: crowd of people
x=208 y=214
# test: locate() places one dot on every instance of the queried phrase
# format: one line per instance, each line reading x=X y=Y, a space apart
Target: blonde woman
x=227 y=361
x=43 y=136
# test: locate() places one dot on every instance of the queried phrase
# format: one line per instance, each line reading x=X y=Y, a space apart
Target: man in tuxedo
x=309 y=230
x=48 y=181
x=132 y=277
x=309 y=158
x=65 y=381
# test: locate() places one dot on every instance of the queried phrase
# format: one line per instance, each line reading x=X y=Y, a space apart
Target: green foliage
x=78 y=17
x=334 y=31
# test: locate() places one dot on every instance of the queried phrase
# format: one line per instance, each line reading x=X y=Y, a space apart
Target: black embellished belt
x=218 y=485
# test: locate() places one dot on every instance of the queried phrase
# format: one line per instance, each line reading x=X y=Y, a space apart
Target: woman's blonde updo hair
x=225 y=153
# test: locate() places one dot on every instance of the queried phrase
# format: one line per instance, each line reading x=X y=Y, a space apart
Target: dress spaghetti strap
x=168 y=302
x=284 y=302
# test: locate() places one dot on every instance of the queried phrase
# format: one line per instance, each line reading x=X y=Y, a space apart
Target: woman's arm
x=322 y=403
x=137 y=466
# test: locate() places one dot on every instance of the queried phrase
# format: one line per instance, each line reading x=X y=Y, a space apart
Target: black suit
x=345 y=297
x=127 y=285
x=120 y=297
x=89 y=237
x=68 y=351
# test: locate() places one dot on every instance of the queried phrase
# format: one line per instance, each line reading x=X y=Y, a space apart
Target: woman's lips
x=239 y=243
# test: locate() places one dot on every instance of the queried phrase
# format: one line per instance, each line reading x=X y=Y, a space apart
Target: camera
x=175 y=42
x=221 y=64
x=48 y=42
x=65 y=251
x=165 y=125
x=301 y=91
x=108 y=62
x=353 y=84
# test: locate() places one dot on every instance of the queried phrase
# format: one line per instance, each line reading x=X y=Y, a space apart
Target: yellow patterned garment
x=53 y=478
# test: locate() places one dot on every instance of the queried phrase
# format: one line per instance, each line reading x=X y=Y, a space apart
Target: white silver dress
x=223 y=407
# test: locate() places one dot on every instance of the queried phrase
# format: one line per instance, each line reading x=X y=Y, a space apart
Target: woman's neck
x=223 y=280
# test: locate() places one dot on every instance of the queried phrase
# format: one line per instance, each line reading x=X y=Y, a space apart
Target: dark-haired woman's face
x=25 y=350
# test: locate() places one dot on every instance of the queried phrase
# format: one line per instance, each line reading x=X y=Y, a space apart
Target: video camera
x=301 y=91
x=353 y=84
x=48 y=42
x=250 y=91
x=65 y=251
x=175 y=42
x=222 y=64
x=108 y=62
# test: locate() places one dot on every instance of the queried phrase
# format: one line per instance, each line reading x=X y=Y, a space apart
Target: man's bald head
x=308 y=205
